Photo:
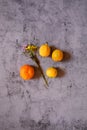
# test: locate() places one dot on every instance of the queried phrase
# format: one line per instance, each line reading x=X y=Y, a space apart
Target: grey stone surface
x=27 y=105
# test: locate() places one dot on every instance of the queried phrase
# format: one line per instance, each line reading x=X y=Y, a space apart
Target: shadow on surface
x=61 y=72
x=52 y=48
x=67 y=56
x=37 y=73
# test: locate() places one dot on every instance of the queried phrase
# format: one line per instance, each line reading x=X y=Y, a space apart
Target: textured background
x=27 y=105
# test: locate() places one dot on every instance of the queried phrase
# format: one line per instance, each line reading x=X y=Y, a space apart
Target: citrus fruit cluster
x=57 y=55
x=27 y=72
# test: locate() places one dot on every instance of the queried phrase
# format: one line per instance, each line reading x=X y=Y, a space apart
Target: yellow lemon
x=51 y=72
x=57 y=55
x=44 y=50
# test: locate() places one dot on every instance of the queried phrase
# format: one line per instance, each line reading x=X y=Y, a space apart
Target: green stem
x=38 y=64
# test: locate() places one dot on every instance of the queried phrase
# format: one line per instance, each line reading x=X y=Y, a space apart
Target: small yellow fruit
x=44 y=50
x=57 y=55
x=51 y=72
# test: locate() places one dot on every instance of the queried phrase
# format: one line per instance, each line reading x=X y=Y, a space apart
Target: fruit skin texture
x=26 y=72
x=57 y=55
x=51 y=72
x=44 y=50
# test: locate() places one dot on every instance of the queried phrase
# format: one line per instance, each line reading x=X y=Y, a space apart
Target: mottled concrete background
x=27 y=105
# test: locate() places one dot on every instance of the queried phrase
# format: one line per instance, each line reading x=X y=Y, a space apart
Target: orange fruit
x=51 y=72
x=44 y=50
x=26 y=72
x=57 y=55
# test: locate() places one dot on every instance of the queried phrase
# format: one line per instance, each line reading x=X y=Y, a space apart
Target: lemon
x=44 y=50
x=51 y=72
x=57 y=55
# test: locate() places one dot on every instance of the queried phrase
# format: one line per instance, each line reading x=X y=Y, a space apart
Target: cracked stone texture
x=27 y=105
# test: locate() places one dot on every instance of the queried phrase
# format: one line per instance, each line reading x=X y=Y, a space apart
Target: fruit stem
x=38 y=64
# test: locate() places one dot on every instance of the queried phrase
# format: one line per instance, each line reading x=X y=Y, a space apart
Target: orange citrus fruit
x=51 y=72
x=44 y=50
x=26 y=72
x=57 y=55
